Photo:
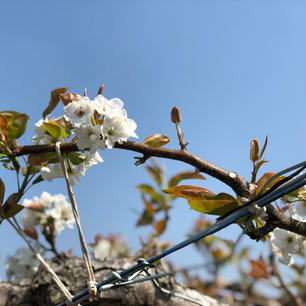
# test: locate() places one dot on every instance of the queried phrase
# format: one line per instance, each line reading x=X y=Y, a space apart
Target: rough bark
x=41 y=290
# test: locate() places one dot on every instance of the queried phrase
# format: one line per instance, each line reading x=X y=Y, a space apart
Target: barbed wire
x=283 y=187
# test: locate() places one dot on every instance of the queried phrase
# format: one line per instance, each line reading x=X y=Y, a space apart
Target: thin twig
x=56 y=279
x=92 y=281
x=295 y=301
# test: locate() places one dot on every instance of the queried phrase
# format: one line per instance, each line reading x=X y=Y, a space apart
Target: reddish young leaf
x=262 y=181
x=148 y=205
x=32 y=233
x=160 y=226
x=3 y=125
x=189 y=192
x=259 y=268
x=41 y=158
x=36 y=206
x=186 y=175
x=205 y=201
x=54 y=99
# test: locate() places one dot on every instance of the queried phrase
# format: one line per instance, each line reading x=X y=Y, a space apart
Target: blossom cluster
x=51 y=213
x=111 y=247
x=285 y=244
x=96 y=124
x=23 y=264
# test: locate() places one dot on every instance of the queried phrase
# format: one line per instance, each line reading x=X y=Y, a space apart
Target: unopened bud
x=85 y=92
x=101 y=90
x=175 y=115
x=69 y=97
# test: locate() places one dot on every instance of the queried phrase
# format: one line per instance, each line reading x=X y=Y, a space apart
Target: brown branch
x=239 y=185
x=294 y=301
x=278 y=219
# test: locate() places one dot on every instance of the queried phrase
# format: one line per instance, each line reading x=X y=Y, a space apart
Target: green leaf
x=185 y=176
x=156 y=140
x=76 y=158
x=156 y=174
x=146 y=218
x=140 y=160
x=150 y=191
x=218 y=205
x=205 y=201
x=54 y=99
x=38 y=180
x=11 y=210
x=39 y=159
x=52 y=128
x=16 y=123
x=55 y=129
x=2 y=191
x=65 y=125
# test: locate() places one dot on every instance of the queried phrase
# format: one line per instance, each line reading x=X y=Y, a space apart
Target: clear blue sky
x=235 y=69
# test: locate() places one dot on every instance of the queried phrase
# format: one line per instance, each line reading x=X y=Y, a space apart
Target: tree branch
x=239 y=185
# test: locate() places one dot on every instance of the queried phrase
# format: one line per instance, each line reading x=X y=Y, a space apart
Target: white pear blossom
x=284 y=244
x=32 y=213
x=49 y=172
x=106 y=107
x=30 y=218
x=110 y=247
x=117 y=129
x=61 y=212
x=46 y=209
x=39 y=130
x=97 y=124
x=79 y=113
x=102 y=249
x=90 y=137
x=22 y=265
x=300 y=208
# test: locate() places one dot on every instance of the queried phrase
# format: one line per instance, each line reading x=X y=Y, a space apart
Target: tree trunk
x=41 y=290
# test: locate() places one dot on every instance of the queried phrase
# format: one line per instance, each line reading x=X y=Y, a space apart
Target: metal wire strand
x=220 y=224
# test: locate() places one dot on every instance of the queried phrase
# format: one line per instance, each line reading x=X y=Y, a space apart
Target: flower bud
x=175 y=115
x=101 y=90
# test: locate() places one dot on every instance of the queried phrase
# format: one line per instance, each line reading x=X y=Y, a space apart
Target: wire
x=220 y=224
